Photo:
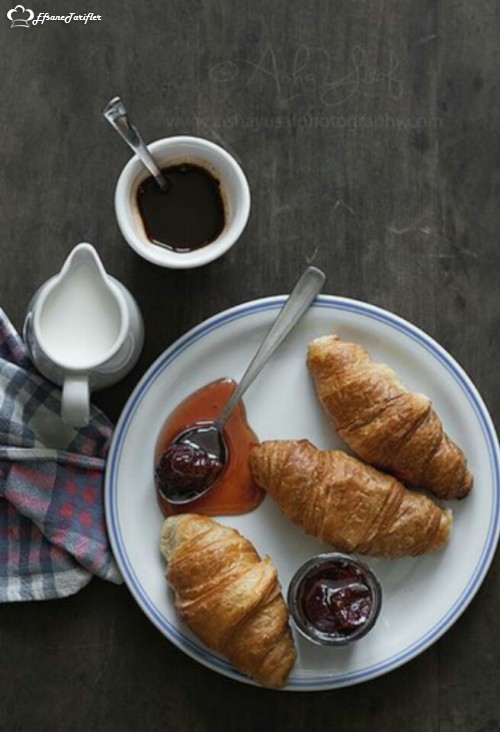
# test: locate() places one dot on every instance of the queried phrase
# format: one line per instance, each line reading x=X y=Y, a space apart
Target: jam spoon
x=117 y=116
x=203 y=445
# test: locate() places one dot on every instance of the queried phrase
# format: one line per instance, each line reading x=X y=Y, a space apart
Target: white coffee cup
x=174 y=151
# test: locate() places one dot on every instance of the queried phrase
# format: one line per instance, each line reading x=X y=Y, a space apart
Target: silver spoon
x=117 y=116
x=204 y=442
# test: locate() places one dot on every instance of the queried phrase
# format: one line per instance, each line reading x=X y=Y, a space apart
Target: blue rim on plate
x=198 y=651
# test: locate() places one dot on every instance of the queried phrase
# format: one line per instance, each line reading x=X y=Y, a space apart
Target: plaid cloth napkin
x=52 y=531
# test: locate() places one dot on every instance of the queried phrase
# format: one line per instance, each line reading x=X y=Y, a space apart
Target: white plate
x=422 y=597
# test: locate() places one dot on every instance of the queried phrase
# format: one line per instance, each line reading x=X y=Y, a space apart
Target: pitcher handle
x=75 y=403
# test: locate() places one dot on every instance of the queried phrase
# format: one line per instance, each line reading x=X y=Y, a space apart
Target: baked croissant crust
x=341 y=501
x=229 y=597
x=386 y=425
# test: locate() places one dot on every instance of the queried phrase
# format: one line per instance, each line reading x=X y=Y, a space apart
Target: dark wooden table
x=369 y=133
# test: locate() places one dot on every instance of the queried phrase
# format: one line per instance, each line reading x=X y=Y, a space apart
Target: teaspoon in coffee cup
x=201 y=449
x=117 y=116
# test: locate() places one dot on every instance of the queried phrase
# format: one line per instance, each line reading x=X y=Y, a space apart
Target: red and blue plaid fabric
x=52 y=530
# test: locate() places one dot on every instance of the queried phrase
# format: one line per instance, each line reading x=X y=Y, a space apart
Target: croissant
x=386 y=425
x=229 y=597
x=341 y=501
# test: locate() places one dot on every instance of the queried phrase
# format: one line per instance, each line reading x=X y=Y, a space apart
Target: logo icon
x=20 y=16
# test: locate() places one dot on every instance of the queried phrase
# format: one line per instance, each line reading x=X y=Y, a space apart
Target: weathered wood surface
x=369 y=133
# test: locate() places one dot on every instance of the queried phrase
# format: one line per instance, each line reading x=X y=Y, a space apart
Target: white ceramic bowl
x=172 y=151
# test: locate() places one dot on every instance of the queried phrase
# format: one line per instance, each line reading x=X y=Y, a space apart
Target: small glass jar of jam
x=334 y=599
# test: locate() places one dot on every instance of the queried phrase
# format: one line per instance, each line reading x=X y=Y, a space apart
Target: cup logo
x=20 y=16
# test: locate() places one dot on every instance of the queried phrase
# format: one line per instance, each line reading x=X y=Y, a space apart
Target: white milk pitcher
x=83 y=331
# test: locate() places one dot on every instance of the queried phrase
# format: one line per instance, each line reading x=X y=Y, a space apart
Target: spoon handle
x=117 y=116
x=299 y=300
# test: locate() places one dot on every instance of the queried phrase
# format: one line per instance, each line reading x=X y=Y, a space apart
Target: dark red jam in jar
x=334 y=599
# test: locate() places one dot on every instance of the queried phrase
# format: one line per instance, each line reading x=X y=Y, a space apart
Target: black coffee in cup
x=189 y=215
